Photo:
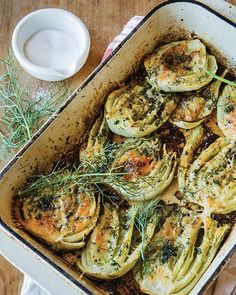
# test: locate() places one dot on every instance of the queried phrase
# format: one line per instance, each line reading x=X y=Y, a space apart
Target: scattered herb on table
x=22 y=113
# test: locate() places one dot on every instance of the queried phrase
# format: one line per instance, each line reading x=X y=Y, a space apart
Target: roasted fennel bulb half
x=180 y=66
x=209 y=179
x=136 y=111
x=179 y=254
x=115 y=245
x=226 y=112
x=138 y=169
x=194 y=108
x=97 y=140
x=62 y=217
x=146 y=168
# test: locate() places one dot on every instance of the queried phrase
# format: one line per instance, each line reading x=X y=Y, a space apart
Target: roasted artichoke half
x=111 y=251
x=146 y=168
x=61 y=218
x=179 y=254
x=226 y=112
x=180 y=66
x=136 y=111
x=194 y=108
x=210 y=179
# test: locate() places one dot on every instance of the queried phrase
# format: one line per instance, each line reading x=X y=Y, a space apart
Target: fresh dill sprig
x=161 y=248
x=147 y=213
x=91 y=175
x=22 y=113
x=153 y=211
x=226 y=81
x=65 y=179
x=88 y=176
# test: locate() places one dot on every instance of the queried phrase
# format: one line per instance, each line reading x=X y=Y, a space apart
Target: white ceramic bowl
x=51 y=19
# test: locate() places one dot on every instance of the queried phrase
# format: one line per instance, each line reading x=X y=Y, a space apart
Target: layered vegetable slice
x=212 y=124
x=146 y=168
x=110 y=251
x=226 y=112
x=136 y=111
x=180 y=66
x=97 y=140
x=62 y=218
x=194 y=108
x=210 y=179
x=179 y=254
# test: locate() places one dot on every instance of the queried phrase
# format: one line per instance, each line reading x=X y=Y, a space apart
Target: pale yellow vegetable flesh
x=109 y=253
x=187 y=259
x=148 y=169
x=68 y=219
x=97 y=140
x=180 y=66
x=226 y=112
x=193 y=109
x=136 y=111
x=210 y=179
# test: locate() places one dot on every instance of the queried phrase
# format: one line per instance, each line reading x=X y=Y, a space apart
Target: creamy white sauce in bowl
x=51 y=44
x=51 y=48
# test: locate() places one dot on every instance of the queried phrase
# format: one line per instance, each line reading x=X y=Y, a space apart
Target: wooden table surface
x=105 y=19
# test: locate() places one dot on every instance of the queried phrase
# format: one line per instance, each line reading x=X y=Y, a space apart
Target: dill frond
x=22 y=113
x=226 y=81
x=66 y=179
x=88 y=176
x=93 y=174
x=147 y=213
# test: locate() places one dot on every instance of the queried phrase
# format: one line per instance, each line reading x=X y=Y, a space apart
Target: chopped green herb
x=168 y=251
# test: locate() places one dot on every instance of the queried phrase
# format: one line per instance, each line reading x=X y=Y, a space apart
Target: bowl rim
x=41 y=70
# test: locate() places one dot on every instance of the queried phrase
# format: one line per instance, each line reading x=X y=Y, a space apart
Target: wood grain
x=105 y=19
x=10 y=278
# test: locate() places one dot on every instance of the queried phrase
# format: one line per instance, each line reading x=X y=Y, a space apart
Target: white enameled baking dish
x=167 y=21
